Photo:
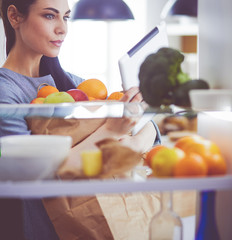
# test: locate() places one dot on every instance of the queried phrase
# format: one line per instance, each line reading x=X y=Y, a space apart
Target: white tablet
x=130 y=63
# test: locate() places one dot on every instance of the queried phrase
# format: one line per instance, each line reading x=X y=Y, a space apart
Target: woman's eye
x=49 y=16
x=66 y=18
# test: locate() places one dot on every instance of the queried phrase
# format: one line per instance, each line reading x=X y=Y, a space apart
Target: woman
x=35 y=30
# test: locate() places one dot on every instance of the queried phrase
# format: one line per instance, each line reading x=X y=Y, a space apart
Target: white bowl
x=32 y=157
x=211 y=99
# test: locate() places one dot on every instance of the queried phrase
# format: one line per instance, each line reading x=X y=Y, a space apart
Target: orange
x=152 y=153
x=191 y=165
x=186 y=141
x=46 y=90
x=92 y=98
x=198 y=145
x=216 y=164
x=208 y=150
x=115 y=96
x=37 y=100
x=93 y=88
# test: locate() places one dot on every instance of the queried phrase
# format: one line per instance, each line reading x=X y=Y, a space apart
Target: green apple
x=59 y=97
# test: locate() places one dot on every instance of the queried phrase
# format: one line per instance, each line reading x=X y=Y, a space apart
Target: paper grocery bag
x=83 y=217
x=78 y=129
x=101 y=217
x=78 y=218
x=129 y=215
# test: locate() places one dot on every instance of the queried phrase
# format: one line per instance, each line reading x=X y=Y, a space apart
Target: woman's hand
x=141 y=141
x=124 y=125
x=132 y=95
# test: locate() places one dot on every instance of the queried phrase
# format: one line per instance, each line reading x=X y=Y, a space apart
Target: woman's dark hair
x=23 y=7
x=47 y=65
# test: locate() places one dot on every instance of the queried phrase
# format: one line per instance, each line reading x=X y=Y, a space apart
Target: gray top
x=15 y=89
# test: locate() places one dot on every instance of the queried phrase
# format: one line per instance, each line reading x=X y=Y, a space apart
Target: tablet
x=130 y=63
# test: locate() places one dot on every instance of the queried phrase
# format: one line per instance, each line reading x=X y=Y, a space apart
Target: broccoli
x=161 y=75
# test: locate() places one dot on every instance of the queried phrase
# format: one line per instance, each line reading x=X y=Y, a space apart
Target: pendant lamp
x=101 y=10
x=180 y=8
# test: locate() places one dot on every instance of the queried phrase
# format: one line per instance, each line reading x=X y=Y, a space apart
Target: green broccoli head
x=155 y=91
x=161 y=70
x=166 y=61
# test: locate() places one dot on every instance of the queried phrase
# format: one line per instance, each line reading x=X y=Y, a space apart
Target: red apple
x=38 y=100
x=78 y=95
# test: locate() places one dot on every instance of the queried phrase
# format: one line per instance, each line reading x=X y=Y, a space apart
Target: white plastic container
x=211 y=99
x=32 y=157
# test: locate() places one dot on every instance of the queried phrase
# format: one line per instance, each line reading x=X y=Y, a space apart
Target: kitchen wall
x=215 y=50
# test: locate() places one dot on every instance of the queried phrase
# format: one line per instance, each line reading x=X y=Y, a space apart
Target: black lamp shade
x=101 y=10
x=180 y=8
x=184 y=7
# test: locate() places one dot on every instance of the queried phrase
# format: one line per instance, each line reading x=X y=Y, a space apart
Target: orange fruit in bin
x=198 y=145
x=94 y=88
x=184 y=142
x=46 y=90
x=115 y=96
x=216 y=164
x=208 y=150
x=152 y=153
x=191 y=165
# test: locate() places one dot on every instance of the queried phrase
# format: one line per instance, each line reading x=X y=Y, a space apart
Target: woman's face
x=44 y=29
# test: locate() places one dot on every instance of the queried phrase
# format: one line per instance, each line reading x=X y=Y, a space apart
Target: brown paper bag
x=78 y=218
x=129 y=215
x=104 y=217
x=83 y=217
x=77 y=129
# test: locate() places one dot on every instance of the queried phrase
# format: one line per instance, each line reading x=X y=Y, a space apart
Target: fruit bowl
x=32 y=157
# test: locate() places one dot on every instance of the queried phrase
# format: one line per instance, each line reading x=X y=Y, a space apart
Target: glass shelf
x=53 y=188
x=78 y=110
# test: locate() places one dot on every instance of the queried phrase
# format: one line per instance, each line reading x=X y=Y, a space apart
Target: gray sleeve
x=158 y=135
x=7 y=94
x=13 y=126
x=10 y=123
